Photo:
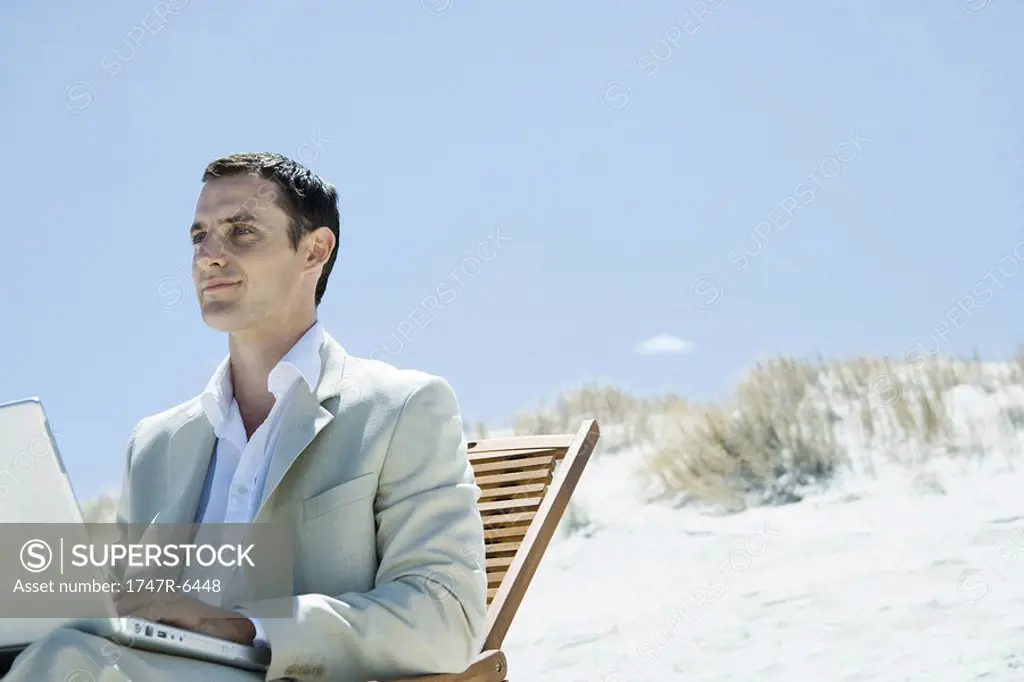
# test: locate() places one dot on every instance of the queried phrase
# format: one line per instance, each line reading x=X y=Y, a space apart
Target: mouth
x=219 y=286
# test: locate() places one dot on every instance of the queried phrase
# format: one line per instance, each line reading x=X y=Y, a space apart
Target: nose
x=210 y=252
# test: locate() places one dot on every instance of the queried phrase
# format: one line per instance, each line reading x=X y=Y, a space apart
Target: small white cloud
x=664 y=343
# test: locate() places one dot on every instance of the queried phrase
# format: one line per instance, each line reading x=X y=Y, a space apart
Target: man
x=365 y=462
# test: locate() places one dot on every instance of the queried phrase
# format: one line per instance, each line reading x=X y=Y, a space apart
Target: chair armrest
x=490 y=666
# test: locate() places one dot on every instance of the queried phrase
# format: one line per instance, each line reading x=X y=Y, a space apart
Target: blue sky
x=570 y=180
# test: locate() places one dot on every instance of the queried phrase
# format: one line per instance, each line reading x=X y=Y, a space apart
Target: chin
x=224 y=317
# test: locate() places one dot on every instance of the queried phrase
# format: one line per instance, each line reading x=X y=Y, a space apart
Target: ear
x=319 y=244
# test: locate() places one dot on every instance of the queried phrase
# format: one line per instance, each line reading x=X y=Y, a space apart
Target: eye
x=198 y=237
x=240 y=230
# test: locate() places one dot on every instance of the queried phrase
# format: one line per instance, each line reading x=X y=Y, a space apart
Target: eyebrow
x=242 y=217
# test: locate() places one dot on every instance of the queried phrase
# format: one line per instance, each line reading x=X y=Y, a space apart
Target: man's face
x=246 y=273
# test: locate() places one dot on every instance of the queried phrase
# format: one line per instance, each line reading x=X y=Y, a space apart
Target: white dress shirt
x=238 y=470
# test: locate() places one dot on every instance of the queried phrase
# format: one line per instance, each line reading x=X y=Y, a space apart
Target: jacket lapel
x=305 y=417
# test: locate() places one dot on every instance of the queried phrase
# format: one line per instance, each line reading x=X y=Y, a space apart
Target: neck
x=254 y=354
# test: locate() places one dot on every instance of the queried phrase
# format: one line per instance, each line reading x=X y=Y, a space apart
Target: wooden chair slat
x=493 y=455
x=512 y=506
x=513 y=490
x=507 y=533
x=502 y=548
x=508 y=519
x=495 y=577
x=495 y=562
x=514 y=477
x=506 y=466
x=519 y=443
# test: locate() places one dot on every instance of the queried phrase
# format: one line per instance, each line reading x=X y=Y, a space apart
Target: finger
x=182 y=613
x=181 y=619
x=208 y=626
x=155 y=610
x=165 y=616
x=219 y=627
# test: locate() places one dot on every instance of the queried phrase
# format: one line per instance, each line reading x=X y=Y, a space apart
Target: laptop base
x=146 y=635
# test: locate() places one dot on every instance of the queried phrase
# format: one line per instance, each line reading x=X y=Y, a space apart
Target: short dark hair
x=309 y=201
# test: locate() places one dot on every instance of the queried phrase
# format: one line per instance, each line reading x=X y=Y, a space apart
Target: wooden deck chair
x=522 y=502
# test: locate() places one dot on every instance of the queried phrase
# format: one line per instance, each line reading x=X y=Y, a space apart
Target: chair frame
x=491 y=665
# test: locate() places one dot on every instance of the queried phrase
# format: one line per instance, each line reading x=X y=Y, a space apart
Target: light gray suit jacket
x=371 y=473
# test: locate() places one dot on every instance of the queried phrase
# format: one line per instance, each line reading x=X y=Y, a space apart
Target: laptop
x=35 y=488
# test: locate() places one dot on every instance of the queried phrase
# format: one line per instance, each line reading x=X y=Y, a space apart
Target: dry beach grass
x=787 y=428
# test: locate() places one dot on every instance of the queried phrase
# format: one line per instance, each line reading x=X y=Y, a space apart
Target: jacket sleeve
x=427 y=610
x=122 y=517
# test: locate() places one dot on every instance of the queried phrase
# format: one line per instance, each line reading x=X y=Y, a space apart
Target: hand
x=188 y=613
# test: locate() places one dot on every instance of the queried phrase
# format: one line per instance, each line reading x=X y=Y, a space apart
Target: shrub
x=765 y=447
